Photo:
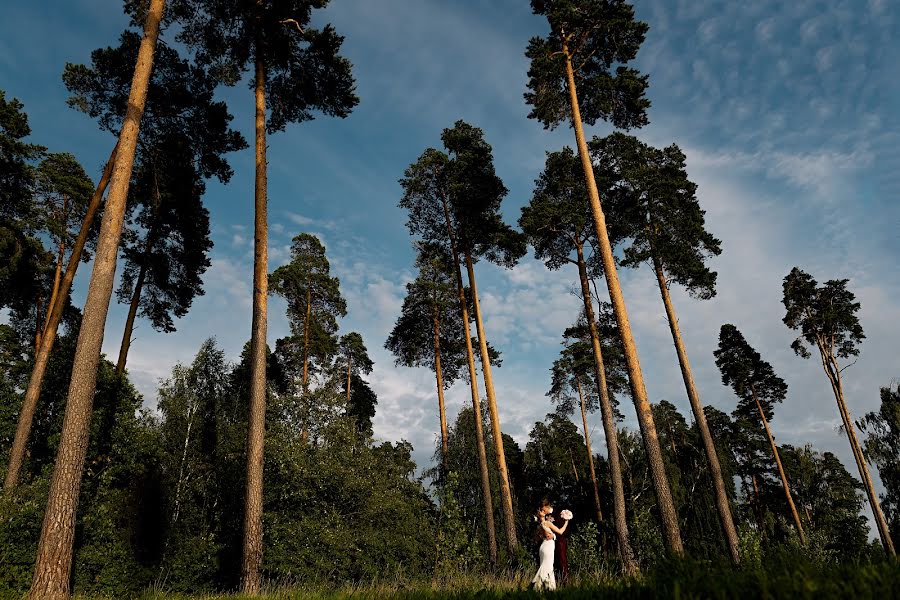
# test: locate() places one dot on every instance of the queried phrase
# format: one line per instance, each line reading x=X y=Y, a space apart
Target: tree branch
x=293 y=22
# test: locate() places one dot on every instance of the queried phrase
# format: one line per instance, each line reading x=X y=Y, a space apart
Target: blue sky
x=787 y=113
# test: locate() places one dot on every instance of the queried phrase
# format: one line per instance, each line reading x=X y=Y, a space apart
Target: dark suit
x=560 y=553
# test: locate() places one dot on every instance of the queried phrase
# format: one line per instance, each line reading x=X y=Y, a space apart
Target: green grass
x=680 y=580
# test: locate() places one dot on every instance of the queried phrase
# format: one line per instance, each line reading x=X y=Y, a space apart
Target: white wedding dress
x=545 y=578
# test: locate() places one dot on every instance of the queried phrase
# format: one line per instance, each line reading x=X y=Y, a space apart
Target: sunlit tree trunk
x=253 y=533
x=57 y=275
x=54 y=554
x=668 y=515
x=620 y=521
x=305 y=381
x=54 y=312
x=715 y=470
x=476 y=400
x=509 y=516
x=590 y=455
x=829 y=363
x=445 y=437
x=133 y=307
x=781 y=473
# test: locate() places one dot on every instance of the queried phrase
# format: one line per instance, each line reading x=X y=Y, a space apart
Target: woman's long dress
x=545 y=578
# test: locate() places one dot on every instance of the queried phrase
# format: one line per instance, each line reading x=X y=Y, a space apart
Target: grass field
x=680 y=580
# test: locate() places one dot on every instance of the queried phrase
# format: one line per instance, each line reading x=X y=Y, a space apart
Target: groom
x=561 y=558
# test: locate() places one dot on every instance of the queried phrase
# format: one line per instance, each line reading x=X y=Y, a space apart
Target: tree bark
x=33 y=391
x=715 y=470
x=476 y=400
x=54 y=555
x=509 y=516
x=57 y=275
x=590 y=455
x=305 y=381
x=438 y=373
x=668 y=515
x=349 y=370
x=781 y=473
x=620 y=521
x=38 y=329
x=834 y=377
x=133 y=308
x=253 y=533
x=759 y=515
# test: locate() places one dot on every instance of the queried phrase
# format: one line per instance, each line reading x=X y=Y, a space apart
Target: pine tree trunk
x=668 y=515
x=509 y=516
x=620 y=521
x=438 y=373
x=305 y=381
x=715 y=470
x=756 y=503
x=132 y=309
x=834 y=377
x=590 y=455
x=38 y=328
x=349 y=369
x=57 y=275
x=42 y=357
x=54 y=555
x=253 y=533
x=476 y=400
x=781 y=473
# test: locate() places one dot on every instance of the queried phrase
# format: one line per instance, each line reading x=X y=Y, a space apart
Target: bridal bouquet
x=566 y=514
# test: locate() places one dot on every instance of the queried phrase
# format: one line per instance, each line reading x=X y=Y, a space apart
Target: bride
x=547 y=532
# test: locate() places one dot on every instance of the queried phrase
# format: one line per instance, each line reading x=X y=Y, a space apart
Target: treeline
x=266 y=469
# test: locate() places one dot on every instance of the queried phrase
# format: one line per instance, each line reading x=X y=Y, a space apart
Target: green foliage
x=752 y=378
x=882 y=447
x=824 y=315
x=653 y=206
x=585 y=555
x=228 y=38
x=314 y=302
x=185 y=135
x=62 y=193
x=456 y=551
x=558 y=221
x=16 y=171
x=599 y=38
x=475 y=193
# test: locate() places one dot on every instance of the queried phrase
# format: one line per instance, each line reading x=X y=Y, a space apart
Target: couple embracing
x=546 y=534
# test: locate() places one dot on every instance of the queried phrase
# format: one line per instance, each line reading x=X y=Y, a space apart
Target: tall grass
x=679 y=579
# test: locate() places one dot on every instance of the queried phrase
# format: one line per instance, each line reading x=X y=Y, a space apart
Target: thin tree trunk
x=781 y=473
x=574 y=468
x=132 y=312
x=253 y=533
x=476 y=400
x=38 y=329
x=57 y=275
x=715 y=470
x=759 y=517
x=590 y=454
x=620 y=521
x=834 y=377
x=33 y=391
x=509 y=516
x=438 y=373
x=54 y=554
x=668 y=515
x=191 y=409
x=349 y=369
x=306 y=339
